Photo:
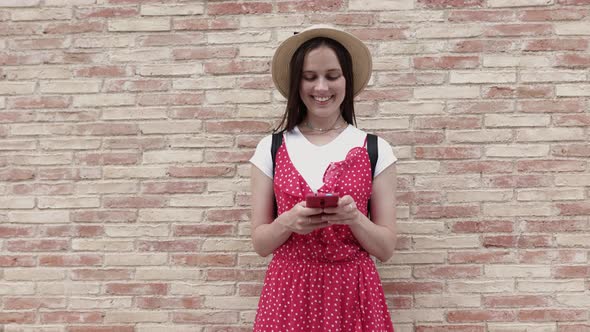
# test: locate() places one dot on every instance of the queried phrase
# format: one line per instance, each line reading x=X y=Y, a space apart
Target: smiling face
x=323 y=86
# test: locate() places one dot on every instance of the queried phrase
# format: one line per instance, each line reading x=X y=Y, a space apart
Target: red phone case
x=321 y=200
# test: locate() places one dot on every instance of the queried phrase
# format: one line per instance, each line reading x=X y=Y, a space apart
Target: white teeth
x=322 y=99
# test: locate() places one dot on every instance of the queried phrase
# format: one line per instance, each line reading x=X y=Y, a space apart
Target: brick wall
x=126 y=126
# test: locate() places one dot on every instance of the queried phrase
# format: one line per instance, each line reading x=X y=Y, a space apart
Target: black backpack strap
x=277 y=140
x=373 y=151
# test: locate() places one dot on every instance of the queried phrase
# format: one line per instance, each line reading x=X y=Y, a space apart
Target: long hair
x=296 y=110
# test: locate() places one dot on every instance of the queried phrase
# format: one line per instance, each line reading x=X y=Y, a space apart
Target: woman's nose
x=322 y=84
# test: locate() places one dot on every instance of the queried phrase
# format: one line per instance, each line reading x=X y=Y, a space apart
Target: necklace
x=321 y=130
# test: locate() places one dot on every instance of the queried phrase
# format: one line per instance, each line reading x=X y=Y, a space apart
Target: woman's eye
x=309 y=78
x=334 y=77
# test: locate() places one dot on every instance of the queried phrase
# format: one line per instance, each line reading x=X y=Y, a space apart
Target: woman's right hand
x=303 y=220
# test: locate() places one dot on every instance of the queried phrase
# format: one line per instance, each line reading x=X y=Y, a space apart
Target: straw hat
x=361 y=57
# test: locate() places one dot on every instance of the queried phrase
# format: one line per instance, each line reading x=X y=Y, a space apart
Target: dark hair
x=296 y=110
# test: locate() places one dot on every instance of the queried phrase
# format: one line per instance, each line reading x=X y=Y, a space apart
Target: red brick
x=513 y=241
x=16 y=231
x=556 y=45
x=440 y=4
x=381 y=33
x=514 y=30
x=24 y=303
x=226 y=215
x=482 y=46
x=136 y=289
x=309 y=6
x=250 y=289
x=107 y=12
x=13 y=174
x=39 y=102
x=574 y=209
x=256 y=83
x=413 y=137
x=37 y=245
x=152 y=303
x=233 y=8
x=200 y=171
x=204 y=260
x=142 y=144
x=552 y=315
x=134 y=202
x=570 y=272
x=516 y=301
x=486 y=226
x=227 y=156
x=552 y=106
x=71 y=260
x=83 y=231
x=520 y=181
x=567 y=150
x=72 y=28
x=42 y=189
x=557 y=226
x=145 y=85
x=17 y=261
x=491 y=167
x=459 y=316
x=17 y=317
x=107 y=158
x=101 y=71
x=385 y=95
x=446 y=62
x=573 y=61
x=550 y=165
x=578 y=120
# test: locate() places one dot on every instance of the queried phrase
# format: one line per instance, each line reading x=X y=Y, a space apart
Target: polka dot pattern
x=323 y=281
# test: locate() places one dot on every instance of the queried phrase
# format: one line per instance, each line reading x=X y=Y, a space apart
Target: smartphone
x=321 y=200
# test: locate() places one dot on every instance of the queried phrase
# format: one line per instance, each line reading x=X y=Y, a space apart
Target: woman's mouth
x=322 y=100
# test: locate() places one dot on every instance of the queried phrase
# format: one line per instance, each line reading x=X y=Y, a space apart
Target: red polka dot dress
x=323 y=281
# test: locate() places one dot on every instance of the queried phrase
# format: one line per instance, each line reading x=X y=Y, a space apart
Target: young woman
x=321 y=277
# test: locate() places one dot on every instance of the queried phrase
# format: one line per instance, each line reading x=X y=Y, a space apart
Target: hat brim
x=362 y=64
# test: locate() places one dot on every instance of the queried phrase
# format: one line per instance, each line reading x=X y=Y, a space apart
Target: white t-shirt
x=311 y=160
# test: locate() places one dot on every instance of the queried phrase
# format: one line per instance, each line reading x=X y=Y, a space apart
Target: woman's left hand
x=346 y=213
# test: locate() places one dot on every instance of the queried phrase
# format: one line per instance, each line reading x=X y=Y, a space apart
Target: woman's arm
x=378 y=237
x=268 y=235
